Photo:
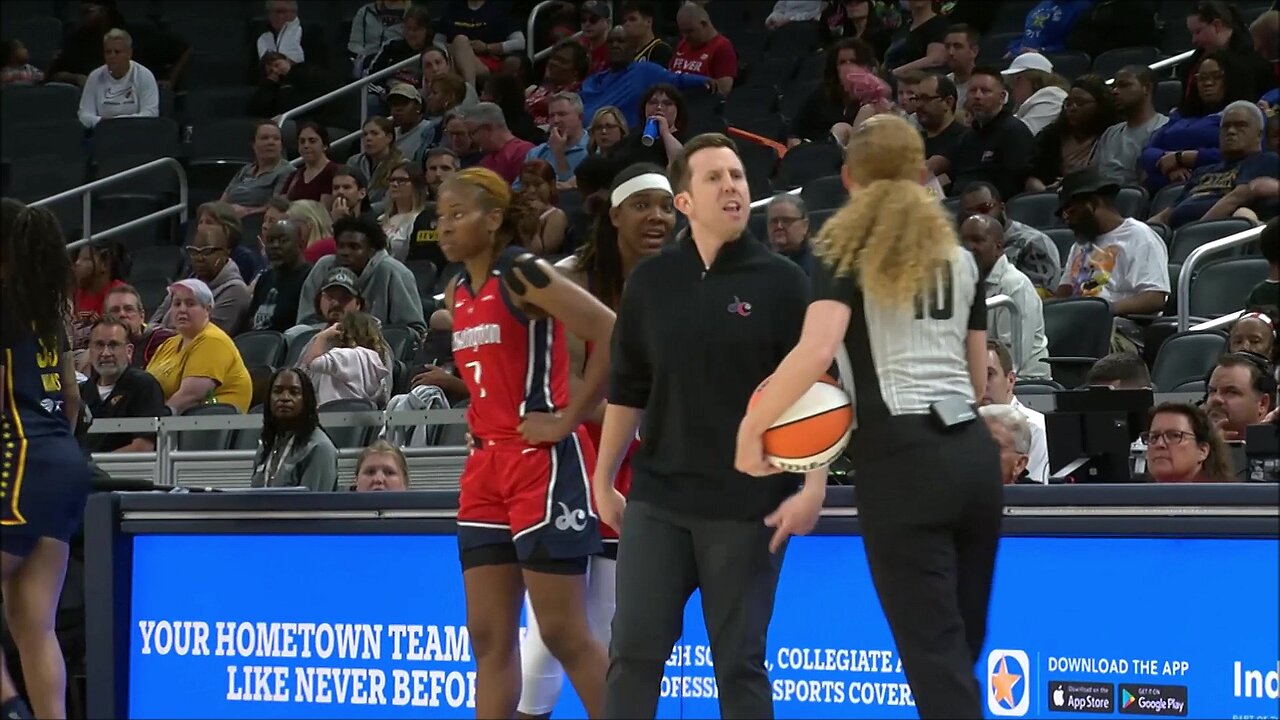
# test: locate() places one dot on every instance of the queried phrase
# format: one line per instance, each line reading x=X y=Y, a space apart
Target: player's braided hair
x=37 y=275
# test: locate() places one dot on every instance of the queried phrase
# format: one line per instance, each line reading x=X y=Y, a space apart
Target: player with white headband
x=636 y=224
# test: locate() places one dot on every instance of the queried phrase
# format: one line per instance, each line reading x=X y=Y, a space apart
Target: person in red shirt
x=596 y=22
x=503 y=152
x=702 y=50
x=566 y=68
x=98 y=268
x=525 y=519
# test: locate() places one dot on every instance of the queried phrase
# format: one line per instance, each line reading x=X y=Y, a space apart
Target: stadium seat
x=136 y=136
x=1108 y=63
x=1222 y=287
x=163 y=262
x=1079 y=332
x=773 y=72
x=401 y=341
x=768 y=126
x=37 y=103
x=207 y=104
x=1036 y=387
x=1166 y=197
x=348 y=436
x=757 y=224
x=1167 y=95
x=818 y=218
x=219 y=439
x=993 y=46
x=795 y=95
x=453 y=434
x=760 y=162
x=261 y=347
x=62 y=137
x=1131 y=202
x=1037 y=209
x=296 y=345
x=1070 y=64
x=1064 y=238
x=807 y=162
x=1192 y=235
x=825 y=192
x=749 y=102
x=1186 y=357
x=793 y=40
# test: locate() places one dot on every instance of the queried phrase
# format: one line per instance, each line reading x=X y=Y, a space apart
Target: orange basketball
x=813 y=431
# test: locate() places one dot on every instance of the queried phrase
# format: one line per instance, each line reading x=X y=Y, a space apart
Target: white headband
x=647 y=181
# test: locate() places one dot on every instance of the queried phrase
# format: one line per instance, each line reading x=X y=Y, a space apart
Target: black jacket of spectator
x=135 y=394
x=303 y=83
x=999 y=152
x=819 y=113
x=276 y=296
x=392 y=53
x=1262 y=75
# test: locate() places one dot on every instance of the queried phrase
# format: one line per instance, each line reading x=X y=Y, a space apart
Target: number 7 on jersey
x=476 y=374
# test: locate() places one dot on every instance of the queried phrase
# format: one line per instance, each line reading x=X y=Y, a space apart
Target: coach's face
x=718 y=197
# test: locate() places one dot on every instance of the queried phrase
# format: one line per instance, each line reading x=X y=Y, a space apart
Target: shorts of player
x=44 y=483
x=529 y=505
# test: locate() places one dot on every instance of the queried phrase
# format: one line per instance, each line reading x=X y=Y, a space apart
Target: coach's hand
x=749 y=457
x=797 y=515
x=540 y=428
x=610 y=504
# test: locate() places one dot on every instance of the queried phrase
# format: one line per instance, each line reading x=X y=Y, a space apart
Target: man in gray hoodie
x=389 y=289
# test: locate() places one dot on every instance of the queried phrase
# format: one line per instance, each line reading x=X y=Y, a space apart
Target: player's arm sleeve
x=827 y=285
x=978 y=311
x=631 y=376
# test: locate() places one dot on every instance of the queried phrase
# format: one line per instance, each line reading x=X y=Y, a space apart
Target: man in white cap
x=1033 y=88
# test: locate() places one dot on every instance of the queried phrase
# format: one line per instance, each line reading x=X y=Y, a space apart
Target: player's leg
x=738 y=576
x=16 y=547
x=494 y=590
x=543 y=675
x=558 y=593
x=31 y=593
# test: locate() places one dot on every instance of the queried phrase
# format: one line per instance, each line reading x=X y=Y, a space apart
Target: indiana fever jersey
x=512 y=364
x=32 y=385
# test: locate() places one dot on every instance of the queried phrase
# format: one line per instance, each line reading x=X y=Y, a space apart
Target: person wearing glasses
x=608 y=129
x=210 y=256
x=936 y=105
x=1184 y=446
x=788 y=222
x=117 y=389
x=200 y=365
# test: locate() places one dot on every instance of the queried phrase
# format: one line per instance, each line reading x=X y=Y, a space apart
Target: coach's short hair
x=680 y=164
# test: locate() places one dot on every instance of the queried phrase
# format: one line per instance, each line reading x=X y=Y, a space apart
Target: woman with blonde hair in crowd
x=406 y=197
x=348 y=360
x=606 y=131
x=319 y=228
x=381 y=466
x=903 y=299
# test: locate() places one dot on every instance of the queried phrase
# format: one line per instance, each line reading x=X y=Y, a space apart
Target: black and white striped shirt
x=905 y=359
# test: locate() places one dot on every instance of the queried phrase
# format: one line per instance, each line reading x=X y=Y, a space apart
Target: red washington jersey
x=512 y=364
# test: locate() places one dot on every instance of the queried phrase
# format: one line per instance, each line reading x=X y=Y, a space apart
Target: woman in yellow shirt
x=200 y=364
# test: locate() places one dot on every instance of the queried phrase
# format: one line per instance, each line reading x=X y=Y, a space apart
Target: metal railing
x=85 y=193
x=1004 y=302
x=1197 y=256
x=1218 y=323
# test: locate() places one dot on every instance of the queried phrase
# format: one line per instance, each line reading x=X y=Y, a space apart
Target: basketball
x=813 y=431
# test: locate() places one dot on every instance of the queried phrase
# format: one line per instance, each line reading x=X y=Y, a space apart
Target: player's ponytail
x=892 y=233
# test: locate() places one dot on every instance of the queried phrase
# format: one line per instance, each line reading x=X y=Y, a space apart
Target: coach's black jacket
x=690 y=345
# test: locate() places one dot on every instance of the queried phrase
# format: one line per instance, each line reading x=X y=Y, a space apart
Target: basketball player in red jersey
x=637 y=223
x=524 y=514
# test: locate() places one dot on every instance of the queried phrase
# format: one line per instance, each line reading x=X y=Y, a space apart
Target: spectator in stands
x=1190 y=139
x=538 y=184
x=1001 y=380
x=787 y=219
x=294 y=450
x=313 y=179
x=856 y=20
x=832 y=103
x=1242 y=185
x=222 y=215
x=567 y=67
x=416 y=33
x=346 y=361
x=388 y=288
x=507 y=93
x=1267 y=292
x=702 y=51
x=338 y=296
x=999 y=149
x=457 y=137
x=1253 y=332
x=165 y=53
x=504 y=153
x=597 y=16
x=624 y=83
x=99 y=268
x=414 y=134
x=637 y=26
x=789 y=11
x=277 y=210
x=479 y=36
x=440 y=163
x=117 y=389
x=316 y=228
x=445 y=93
x=277 y=291
x=351 y=194
x=124 y=303
x=436 y=62
x=962 y=43
x=983 y=236
x=923 y=48
x=1241 y=391
x=284 y=84
x=943 y=134
x=256 y=182
x=1265 y=31
x=211 y=265
x=406 y=199
x=1032 y=252
x=607 y=131
x=1119 y=259
x=566 y=144
x=1070 y=143
x=200 y=365
x=378 y=155
x=1048 y=26
x=1182 y=446
x=381 y=466
x=666 y=105
x=120 y=88
x=1119 y=150
x=18 y=69
x=283 y=33
x=1120 y=371
x=1217 y=27
x=1035 y=90
x=374 y=26
x=1011 y=431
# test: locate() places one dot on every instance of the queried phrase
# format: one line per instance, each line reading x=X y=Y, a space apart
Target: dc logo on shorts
x=1008 y=683
x=571 y=519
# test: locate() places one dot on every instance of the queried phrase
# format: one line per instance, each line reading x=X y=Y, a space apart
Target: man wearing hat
x=338 y=296
x=414 y=133
x=1119 y=259
x=597 y=19
x=1032 y=87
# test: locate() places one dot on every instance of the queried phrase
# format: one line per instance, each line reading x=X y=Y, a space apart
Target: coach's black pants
x=662 y=558
x=929 y=505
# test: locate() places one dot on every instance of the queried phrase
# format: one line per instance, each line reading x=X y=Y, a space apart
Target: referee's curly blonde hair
x=892 y=234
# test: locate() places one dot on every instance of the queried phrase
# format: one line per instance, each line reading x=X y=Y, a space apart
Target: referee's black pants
x=662 y=557
x=929 y=505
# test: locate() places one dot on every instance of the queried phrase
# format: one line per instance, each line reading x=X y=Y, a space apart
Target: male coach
x=699 y=327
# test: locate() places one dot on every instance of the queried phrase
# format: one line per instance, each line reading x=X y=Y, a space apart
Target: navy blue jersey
x=33 y=394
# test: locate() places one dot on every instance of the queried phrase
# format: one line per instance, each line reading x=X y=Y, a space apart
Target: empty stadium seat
x=1064 y=238
x=1222 y=287
x=807 y=162
x=1070 y=64
x=749 y=102
x=37 y=103
x=793 y=40
x=1079 y=332
x=1036 y=387
x=772 y=72
x=261 y=347
x=1037 y=209
x=1192 y=235
x=348 y=436
x=1108 y=63
x=401 y=341
x=1186 y=357
x=60 y=137
x=296 y=345
x=136 y=137
x=219 y=439
x=1166 y=197
x=1167 y=95
x=1131 y=202
x=771 y=126
x=825 y=192
x=760 y=162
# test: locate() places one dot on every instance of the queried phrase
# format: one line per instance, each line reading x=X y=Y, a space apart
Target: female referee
x=902 y=295
x=524 y=513
x=44 y=477
x=635 y=224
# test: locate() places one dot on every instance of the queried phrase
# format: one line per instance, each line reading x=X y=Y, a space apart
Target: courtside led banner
x=373 y=626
